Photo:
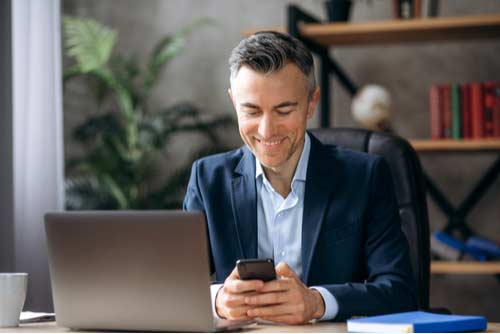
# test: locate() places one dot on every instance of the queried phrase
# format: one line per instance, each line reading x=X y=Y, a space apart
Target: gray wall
x=201 y=76
x=6 y=154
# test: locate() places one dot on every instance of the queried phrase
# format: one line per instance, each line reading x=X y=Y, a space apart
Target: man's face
x=272 y=114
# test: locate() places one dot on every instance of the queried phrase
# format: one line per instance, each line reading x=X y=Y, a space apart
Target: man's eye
x=251 y=112
x=284 y=112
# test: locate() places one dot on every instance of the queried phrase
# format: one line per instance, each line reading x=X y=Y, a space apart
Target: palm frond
x=96 y=126
x=208 y=128
x=71 y=72
x=89 y=42
x=126 y=70
x=154 y=127
x=87 y=193
x=118 y=194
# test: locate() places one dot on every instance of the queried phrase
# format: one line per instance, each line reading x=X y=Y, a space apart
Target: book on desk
x=417 y=322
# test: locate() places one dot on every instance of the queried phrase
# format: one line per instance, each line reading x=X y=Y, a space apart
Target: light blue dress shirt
x=279 y=223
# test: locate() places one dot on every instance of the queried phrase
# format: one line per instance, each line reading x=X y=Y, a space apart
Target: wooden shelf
x=465 y=267
x=400 y=31
x=455 y=145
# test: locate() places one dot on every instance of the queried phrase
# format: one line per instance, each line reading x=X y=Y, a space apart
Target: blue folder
x=417 y=322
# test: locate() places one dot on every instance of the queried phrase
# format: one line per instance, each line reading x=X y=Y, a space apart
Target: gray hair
x=269 y=51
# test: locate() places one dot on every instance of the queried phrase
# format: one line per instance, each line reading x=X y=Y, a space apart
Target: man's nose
x=266 y=126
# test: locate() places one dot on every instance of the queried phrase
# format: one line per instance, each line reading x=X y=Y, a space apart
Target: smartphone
x=262 y=269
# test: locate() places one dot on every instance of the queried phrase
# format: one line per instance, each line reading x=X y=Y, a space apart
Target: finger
x=240 y=286
x=283 y=269
x=236 y=313
x=281 y=319
x=276 y=285
x=229 y=299
x=267 y=298
x=275 y=310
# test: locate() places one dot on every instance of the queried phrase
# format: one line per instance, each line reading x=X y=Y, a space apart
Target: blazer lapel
x=319 y=186
x=244 y=204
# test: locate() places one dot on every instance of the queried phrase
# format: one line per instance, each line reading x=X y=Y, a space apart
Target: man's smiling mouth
x=269 y=142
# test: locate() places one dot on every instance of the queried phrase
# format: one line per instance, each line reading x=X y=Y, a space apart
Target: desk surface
x=50 y=327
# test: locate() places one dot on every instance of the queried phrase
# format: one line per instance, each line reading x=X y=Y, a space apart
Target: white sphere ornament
x=371 y=107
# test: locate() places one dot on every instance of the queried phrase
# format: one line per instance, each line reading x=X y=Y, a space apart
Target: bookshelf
x=445 y=145
x=398 y=31
x=404 y=31
x=465 y=267
x=321 y=37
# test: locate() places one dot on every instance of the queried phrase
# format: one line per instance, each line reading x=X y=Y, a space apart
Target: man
x=327 y=215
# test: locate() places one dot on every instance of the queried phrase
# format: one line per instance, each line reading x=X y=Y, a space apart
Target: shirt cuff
x=331 y=304
x=214 y=289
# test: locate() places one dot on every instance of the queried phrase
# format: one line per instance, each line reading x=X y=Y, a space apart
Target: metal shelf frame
x=328 y=66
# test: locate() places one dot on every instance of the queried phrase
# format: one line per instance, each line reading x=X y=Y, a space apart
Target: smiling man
x=325 y=214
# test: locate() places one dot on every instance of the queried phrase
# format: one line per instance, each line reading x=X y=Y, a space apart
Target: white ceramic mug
x=13 y=287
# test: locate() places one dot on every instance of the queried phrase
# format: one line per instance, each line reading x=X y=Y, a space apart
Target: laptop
x=131 y=270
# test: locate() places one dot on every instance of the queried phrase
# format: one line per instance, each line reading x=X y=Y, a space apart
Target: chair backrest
x=409 y=188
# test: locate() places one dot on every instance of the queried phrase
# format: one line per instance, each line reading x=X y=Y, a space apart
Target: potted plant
x=124 y=139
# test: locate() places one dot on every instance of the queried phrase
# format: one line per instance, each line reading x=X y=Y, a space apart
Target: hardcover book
x=459 y=246
x=456 y=117
x=496 y=111
x=479 y=244
x=417 y=322
x=477 y=110
x=466 y=112
x=488 y=109
x=446 y=110
x=435 y=112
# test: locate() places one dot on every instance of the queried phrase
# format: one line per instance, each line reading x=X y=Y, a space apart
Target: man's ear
x=313 y=102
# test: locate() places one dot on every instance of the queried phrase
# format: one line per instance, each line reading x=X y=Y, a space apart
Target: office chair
x=409 y=188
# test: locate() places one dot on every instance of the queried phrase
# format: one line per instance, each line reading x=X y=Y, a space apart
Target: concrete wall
x=201 y=76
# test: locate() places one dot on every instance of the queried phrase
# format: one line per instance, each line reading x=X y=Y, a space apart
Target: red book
x=435 y=113
x=417 y=8
x=446 y=110
x=477 y=110
x=496 y=111
x=488 y=107
x=466 y=111
x=396 y=9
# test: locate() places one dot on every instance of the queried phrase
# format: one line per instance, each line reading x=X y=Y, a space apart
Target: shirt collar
x=301 y=171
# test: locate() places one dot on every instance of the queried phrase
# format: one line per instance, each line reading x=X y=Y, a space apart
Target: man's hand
x=230 y=300
x=286 y=300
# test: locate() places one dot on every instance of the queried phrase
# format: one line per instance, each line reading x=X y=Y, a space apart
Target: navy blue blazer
x=352 y=241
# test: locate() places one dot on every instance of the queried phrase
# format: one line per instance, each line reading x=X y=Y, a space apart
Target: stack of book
x=465 y=111
x=406 y=9
x=446 y=247
x=411 y=9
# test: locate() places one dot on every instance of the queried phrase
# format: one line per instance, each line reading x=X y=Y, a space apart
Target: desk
x=325 y=327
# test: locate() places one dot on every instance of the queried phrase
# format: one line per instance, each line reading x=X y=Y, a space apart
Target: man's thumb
x=283 y=269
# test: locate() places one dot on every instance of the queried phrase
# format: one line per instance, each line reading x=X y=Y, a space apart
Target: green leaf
x=116 y=191
x=71 y=72
x=89 y=42
x=96 y=126
x=88 y=193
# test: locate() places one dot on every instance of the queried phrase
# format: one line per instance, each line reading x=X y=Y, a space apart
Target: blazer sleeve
x=390 y=285
x=193 y=201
